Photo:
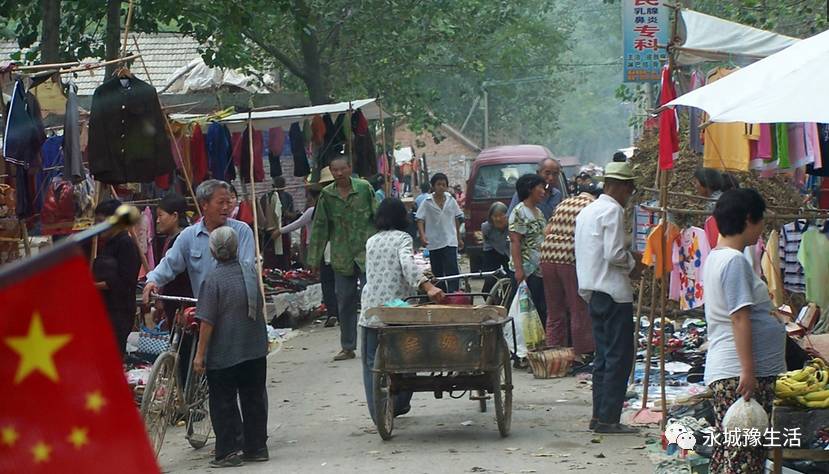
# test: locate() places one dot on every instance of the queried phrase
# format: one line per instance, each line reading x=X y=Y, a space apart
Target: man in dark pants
x=605 y=268
x=344 y=217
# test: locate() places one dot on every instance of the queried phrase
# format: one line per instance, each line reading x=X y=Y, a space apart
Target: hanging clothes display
x=334 y=144
x=24 y=132
x=365 y=154
x=301 y=166
x=276 y=142
x=242 y=147
x=72 y=157
x=813 y=255
x=712 y=232
x=219 y=149
x=198 y=155
x=727 y=144
x=128 y=140
x=790 y=236
x=52 y=159
x=770 y=264
x=823 y=148
x=780 y=140
x=654 y=255
x=318 y=131
x=644 y=222
x=695 y=115
x=689 y=253
x=668 y=123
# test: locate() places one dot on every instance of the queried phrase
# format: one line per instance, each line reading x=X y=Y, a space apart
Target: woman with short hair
x=391 y=273
x=233 y=343
x=526 y=234
x=746 y=342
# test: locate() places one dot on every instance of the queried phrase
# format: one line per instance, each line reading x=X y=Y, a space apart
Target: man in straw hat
x=344 y=217
x=329 y=297
x=605 y=283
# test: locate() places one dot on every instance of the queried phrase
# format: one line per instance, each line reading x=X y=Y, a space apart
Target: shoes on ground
x=345 y=354
x=615 y=428
x=330 y=322
x=231 y=460
x=256 y=456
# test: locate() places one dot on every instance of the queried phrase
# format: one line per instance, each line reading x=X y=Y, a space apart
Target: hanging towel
x=72 y=157
x=301 y=167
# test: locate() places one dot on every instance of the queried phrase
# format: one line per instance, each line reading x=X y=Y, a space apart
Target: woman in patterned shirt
x=391 y=273
x=526 y=234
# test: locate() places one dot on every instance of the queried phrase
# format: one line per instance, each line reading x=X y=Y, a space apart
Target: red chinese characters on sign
x=651 y=3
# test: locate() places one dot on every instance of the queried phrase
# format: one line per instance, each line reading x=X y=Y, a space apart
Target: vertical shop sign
x=646 y=25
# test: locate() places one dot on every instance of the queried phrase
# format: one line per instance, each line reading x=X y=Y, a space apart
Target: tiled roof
x=163 y=53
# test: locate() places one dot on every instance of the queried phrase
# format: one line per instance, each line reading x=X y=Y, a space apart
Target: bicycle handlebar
x=177 y=299
x=499 y=272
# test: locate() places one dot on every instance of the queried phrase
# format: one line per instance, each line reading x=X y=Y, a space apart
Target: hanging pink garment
x=813 y=145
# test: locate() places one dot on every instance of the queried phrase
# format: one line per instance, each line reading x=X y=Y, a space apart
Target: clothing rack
x=806 y=213
x=707 y=199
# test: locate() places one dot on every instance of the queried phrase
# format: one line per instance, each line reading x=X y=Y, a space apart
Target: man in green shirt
x=344 y=216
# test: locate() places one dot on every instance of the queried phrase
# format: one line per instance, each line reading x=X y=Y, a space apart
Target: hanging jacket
x=301 y=167
x=365 y=154
x=72 y=157
x=24 y=133
x=219 y=148
x=244 y=157
x=276 y=141
x=128 y=140
x=198 y=155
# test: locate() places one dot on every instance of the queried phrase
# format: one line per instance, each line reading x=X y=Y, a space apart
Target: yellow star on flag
x=95 y=401
x=36 y=350
x=8 y=435
x=41 y=452
x=78 y=437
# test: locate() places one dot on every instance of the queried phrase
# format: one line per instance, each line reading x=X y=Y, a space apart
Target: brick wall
x=450 y=156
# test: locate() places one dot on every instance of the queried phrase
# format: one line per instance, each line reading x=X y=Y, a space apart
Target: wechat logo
x=679 y=435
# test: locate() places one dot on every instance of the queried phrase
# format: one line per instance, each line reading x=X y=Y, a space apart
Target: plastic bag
x=745 y=415
x=529 y=332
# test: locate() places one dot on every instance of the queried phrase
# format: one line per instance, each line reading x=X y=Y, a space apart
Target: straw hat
x=620 y=171
x=325 y=177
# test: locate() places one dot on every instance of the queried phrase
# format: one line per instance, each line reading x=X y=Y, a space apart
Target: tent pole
x=387 y=184
x=255 y=214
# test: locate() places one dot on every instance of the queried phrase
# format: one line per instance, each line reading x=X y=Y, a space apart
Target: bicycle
x=164 y=399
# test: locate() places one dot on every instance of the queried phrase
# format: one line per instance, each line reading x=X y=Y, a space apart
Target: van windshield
x=498 y=181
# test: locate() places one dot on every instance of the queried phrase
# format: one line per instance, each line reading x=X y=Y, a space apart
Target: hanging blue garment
x=219 y=152
x=52 y=155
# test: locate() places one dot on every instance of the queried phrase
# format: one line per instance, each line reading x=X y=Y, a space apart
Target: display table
x=296 y=304
x=809 y=421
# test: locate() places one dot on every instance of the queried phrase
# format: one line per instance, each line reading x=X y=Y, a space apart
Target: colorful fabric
x=770 y=264
x=712 y=231
x=668 y=123
x=530 y=224
x=727 y=144
x=346 y=223
x=791 y=234
x=654 y=256
x=689 y=254
x=813 y=255
x=559 y=245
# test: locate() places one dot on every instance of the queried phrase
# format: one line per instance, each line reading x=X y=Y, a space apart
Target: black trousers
x=492 y=260
x=613 y=334
x=247 y=432
x=445 y=262
x=122 y=322
x=329 y=295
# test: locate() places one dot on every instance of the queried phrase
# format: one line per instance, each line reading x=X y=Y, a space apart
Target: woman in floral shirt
x=391 y=273
x=526 y=234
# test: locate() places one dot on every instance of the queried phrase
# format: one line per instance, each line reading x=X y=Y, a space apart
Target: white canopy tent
x=708 y=38
x=284 y=118
x=784 y=87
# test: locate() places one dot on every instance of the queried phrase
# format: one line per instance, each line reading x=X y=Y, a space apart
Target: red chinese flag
x=64 y=404
x=668 y=124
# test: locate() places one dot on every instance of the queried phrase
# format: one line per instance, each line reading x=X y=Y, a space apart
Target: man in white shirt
x=605 y=267
x=438 y=223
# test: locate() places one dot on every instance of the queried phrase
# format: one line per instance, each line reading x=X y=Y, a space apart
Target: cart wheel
x=482 y=400
x=502 y=396
x=158 y=402
x=383 y=404
x=198 y=418
x=501 y=293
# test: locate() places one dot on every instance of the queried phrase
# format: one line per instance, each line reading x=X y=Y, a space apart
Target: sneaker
x=345 y=354
x=615 y=428
x=231 y=460
x=256 y=456
x=330 y=322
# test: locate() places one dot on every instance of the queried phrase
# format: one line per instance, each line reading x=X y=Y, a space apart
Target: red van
x=492 y=178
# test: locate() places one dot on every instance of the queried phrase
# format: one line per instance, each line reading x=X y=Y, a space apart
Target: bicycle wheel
x=198 y=416
x=158 y=402
x=383 y=404
x=502 y=396
x=501 y=293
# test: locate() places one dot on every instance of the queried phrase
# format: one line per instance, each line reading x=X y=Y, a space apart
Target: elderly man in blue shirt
x=191 y=251
x=549 y=170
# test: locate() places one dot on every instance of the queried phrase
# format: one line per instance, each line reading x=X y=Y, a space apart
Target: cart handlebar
x=499 y=272
x=177 y=299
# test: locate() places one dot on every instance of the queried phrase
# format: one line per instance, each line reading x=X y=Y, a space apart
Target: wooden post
x=389 y=161
x=127 y=29
x=255 y=214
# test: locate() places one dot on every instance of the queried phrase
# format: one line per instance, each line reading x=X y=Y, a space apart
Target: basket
x=551 y=363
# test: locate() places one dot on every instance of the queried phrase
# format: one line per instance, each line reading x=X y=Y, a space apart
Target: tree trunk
x=50 y=32
x=318 y=89
x=112 y=41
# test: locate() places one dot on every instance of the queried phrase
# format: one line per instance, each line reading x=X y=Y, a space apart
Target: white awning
x=284 y=118
x=708 y=38
x=784 y=87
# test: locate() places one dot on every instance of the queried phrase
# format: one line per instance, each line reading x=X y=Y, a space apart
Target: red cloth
x=568 y=319
x=668 y=123
x=712 y=232
x=241 y=148
x=65 y=404
x=198 y=155
x=276 y=141
x=317 y=130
